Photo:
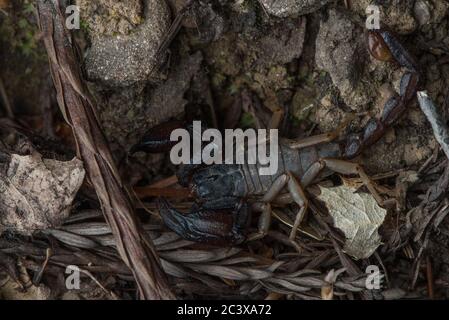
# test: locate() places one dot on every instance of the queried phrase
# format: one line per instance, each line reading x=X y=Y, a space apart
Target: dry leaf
x=22 y=289
x=4 y=4
x=37 y=193
x=356 y=214
x=327 y=289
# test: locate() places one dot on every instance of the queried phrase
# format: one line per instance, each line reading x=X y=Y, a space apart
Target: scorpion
x=221 y=212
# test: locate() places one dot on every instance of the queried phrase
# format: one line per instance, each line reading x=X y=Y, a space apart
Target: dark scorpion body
x=220 y=213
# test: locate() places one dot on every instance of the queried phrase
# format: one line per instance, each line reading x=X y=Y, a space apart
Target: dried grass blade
x=134 y=246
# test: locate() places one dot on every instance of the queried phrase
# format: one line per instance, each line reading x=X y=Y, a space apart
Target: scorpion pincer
x=221 y=211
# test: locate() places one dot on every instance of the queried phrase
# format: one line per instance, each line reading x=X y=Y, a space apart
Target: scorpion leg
x=320 y=138
x=265 y=207
x=299 y=196
x=342 y=167
x=264 y=221
x=347 y=167
x=220 y=227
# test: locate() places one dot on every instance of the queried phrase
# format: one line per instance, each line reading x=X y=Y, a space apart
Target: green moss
x=247 y=121
x=20 y=34
x=84 y=26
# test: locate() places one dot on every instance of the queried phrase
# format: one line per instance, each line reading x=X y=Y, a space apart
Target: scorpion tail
x=215 y=227
x=157 y=139
x=384 y=46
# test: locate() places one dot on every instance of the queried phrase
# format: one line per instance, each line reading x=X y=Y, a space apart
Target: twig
x=6 y=102
x=164 y=183
x=38 y=277
x=429 y=274
x=172 y=33
x=143 y=192
x=435 y=117
x=264 y=8
x=133 y=245
x=90 y=275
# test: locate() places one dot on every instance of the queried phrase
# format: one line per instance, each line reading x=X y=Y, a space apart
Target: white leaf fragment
x=37 y=193
x=359 y=217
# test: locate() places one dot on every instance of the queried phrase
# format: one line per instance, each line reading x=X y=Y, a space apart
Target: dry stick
x=5 y=99
x=436 y=119
x=143 y=192
x=164 y=183
x=133 y=245
x=171 y=34
x=429 y=274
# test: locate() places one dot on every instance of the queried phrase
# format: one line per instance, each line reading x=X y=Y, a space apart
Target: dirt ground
x=231 y=64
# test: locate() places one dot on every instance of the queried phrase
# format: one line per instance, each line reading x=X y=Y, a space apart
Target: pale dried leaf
x=22 y=288
x=11 y=290
x=359 y=217
x=37 y=193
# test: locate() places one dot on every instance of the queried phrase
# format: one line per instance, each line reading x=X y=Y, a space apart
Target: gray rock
x=109 y=17
x=282 y=44
x=121 y=60
x=341 y=51
x=210 y=23
x=126 y=114
x=285 y=8
x=396 y=14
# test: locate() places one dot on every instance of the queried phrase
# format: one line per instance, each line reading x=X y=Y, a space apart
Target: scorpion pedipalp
x=219 y=227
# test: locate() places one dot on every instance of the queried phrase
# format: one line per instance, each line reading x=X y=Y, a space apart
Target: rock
x=282 y=44
x=303 y=103
x=124 y=59
x=209 y=22
x=429 y=12
x=224 y=56
x=279 y=45
x=328 y=117
x=109 y=17
x=439 y=10
x=285 y=8
x=127 y=113
x=341 y=51
x=411 y=146
x=397 y=14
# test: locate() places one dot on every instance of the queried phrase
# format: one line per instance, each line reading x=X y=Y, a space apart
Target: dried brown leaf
x=37 y=193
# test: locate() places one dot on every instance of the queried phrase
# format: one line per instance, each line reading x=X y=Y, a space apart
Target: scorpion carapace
x=220 y=214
